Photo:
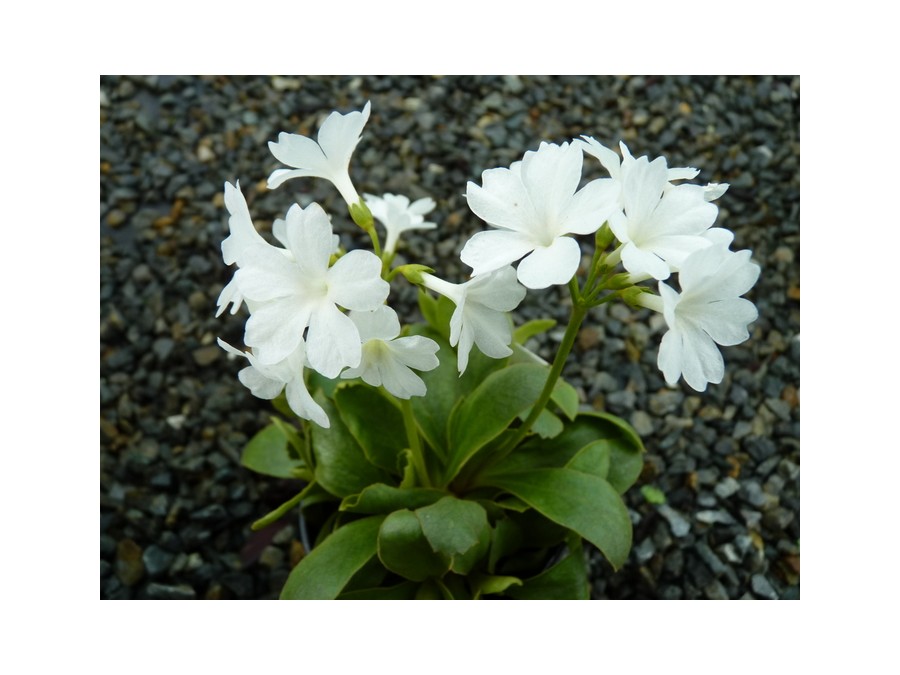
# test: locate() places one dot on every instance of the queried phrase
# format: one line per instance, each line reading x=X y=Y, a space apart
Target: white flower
x=328 y=159
x=268 y=381
x=480 y=315
x=387 y=359
x=708 y=311
x=610 y=161
x=241 y=238
x=398 y=215
x=659 y=226
x=534 y=205
x=290 y=296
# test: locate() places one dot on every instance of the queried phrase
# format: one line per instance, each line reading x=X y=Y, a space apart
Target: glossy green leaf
x=381 y=498
x=267 y=453
x=490 y=408
x=404 y=549
x=375 y=423
x=323 y=573
x=342 y=467
x=566 y=580
x=584 y=503
x=528 y=330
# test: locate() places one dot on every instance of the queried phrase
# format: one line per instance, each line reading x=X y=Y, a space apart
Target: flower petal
x=498 y=290
x=310 y=239
x=641 y=262
x=302 y=403
x=492 y=249
x=550 y=176
x=400 y=380
x=242 y=234
x=701 y=361
x=590 y=207
x=726 y=321
x=416 y=352
x=355 y=282
x=332 y=342
x=340 y=134
x=550 y=265
x=299 y=152
x=259 y=384
x=503 y=201
x=275 y=329
x=381 y=323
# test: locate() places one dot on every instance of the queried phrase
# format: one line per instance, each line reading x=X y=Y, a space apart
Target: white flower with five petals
x=708 y=311
x=268 y=381
x=303 y=294
x=480 y=316
x=398 y=215
x=535 y=204
x=329 y=158
x=388 y=360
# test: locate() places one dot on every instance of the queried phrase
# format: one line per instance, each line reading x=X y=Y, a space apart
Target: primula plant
x=443 y=459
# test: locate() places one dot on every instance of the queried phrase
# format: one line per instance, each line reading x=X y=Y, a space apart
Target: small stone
x=642 y=423
x=727 y=487
x=157 y=591
x=666 y=401
x=157 y=560
x=763 y=587
x=205 y=356
x=115 y=218
x=711 y=517
x=714 y=590
x=679 y=525
x=271 y=557
x=129 y=564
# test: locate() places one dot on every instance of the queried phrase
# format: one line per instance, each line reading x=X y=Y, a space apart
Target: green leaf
x=566 y=397
x=374 y=422
x=267 y=453
x=566 y=580
x=404 y=549
x=323 y=573
x=446 y=388
x=528 y=330
x=594 y=458
x=582 y=502
x=493 y=585
x=456 y=528
x=489 y=410
x=341 y=465
x=625 y=450
x=547 y=425
x=402 y=591
x=429 y=308
x=381 y=498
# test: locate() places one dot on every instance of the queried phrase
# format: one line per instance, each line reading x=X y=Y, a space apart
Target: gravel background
x=175 y=504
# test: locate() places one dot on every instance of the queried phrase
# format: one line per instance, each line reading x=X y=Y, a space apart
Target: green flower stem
x=283 y=509
x=415 y=443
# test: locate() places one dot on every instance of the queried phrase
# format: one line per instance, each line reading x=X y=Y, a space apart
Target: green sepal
x=404 y=549
x=361 y=215
x=268 y=453
x=381 y=498
x=374 y=422
x=582 y=502
x=342 y=467
x=324 y=572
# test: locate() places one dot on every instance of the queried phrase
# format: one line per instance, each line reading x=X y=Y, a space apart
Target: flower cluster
x=314 y=306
